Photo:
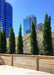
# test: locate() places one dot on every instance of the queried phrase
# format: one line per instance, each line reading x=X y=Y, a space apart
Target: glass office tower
x=5 y=16
x=2 y=14
x=8 y=18
x=27 y=23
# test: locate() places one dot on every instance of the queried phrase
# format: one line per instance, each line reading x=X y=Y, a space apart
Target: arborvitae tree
x=1 y=50
x=13 y=42
x=33 y=41
x=50 y=37
x=11 y=49
x=47 y=38
x=20 y=43
x=4 y=41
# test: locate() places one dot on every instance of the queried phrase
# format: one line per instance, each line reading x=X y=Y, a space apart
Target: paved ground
x=9 y=70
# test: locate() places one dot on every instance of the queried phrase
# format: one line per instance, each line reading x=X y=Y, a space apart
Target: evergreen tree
x=20 y=42
x=33 y=41
x=47 y=38
x=50 y=36
x=4 y=41
x=11 y=41
x=1 y=50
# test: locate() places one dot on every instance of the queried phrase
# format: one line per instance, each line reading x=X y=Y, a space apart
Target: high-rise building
x=8 y=18
x=27 y=23
x=2 y=14
x=40 y=26
x=5 y=16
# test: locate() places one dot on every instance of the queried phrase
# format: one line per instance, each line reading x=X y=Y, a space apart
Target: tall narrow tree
x=4 y=41
x=50 y=36
x=1 y=50
x=11 y=41
x=20 y=42
x=33 y=40
x=47 y=38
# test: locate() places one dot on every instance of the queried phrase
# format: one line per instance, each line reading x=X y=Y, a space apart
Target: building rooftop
x=30 y=16
x=40 y=24
x=7 y=2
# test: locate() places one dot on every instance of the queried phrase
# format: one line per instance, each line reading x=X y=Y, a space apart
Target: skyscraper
x=8 y=17
x=5 y=16
x=27 y=23
x=2 y=14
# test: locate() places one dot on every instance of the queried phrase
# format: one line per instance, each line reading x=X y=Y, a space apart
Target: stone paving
x=9 y=70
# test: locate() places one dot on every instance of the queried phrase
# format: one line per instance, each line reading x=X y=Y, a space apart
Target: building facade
x=40 y=26
x=2 y=14
x=8 y=18
x=5 y=16
x=27 y=23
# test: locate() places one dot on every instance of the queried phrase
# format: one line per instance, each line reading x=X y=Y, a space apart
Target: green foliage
x=11 y=49
x=20 y=43
x=47 y=37
x=33 y=41
x=4 y=41
x=1 y=50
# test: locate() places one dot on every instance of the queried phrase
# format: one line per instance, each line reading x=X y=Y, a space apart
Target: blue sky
x=23 y=8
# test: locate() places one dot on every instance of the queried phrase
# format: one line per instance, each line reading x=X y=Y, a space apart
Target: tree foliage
x=33 y=41
x=20 y=43
x=4 y=41
x=11 y=49
x=47 y=37
x=1 y=46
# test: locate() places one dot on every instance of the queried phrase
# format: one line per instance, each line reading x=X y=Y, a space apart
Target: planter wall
x=25 y=61
x=6 y=59
x=34 y=62
x=46 y=63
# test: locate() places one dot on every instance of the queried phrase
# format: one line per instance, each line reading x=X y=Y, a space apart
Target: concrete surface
x=9 y=70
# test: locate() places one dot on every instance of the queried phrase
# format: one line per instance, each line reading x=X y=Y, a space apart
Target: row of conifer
x=46 y=43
